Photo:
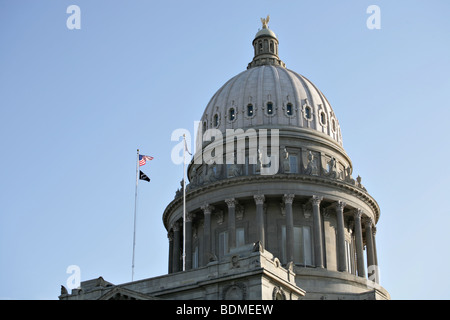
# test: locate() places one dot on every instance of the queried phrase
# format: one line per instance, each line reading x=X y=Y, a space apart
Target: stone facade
x=247 y=273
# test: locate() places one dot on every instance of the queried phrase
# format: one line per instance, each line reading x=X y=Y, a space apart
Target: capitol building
x=272 y=208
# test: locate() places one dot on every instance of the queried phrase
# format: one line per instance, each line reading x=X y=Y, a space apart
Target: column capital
x=189 y=217
x=231 y=203
x=368 y=221
x=316 y=200
x=357 y=213
x=259 y=198
x=207 y=208
x=176 y=226
x=288 y=198
x=340 y=205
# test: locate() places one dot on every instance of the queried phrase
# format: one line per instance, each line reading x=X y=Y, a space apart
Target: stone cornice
x=319 y=180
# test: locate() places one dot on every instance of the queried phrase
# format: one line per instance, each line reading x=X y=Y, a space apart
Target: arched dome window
x=289 y=111
x=323 y=118
x=269 y=108
x=216 y=120
x=308 y=113
x=250 y=110
x=232 y=114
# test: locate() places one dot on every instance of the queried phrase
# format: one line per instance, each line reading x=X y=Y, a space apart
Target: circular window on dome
x=323 y=118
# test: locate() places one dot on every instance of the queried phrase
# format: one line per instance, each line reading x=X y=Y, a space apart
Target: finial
x=265 y=21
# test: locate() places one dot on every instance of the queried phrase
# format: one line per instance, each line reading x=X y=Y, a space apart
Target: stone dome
x=265 y=32
x=270 y=95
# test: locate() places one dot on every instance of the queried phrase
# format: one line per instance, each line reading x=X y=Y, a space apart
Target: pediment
x=120 y=293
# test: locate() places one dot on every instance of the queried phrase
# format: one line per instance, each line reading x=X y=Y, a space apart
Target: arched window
x=216 y=120
x=250 y=110
x=289 y=109
x=323 y=118
x=308 y=114
x=269 y=108
x=232 y=114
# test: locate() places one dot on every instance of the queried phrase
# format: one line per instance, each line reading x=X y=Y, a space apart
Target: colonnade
x=175 y=241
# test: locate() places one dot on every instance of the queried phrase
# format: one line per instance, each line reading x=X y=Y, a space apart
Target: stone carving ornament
x=311 y=167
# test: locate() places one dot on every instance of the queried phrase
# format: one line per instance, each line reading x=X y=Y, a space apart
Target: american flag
x=143 y=159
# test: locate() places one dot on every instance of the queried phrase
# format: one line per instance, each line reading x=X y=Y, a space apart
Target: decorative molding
x=278 y=293
x=298 y=178
x=219 y=215
x=235 y=291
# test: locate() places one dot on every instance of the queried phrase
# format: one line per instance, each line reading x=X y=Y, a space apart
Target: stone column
x=359 y=244
x=231 y=203
x=374 y=230
x=318 y=248
x=259 y=200
x=170 y=237
x=176 y=247
x=188 y=244
x=207 y=209
x=288 y=199
x=371 y=267
x=342 y=261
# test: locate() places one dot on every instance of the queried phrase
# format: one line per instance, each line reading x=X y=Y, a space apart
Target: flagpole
x=184 y=204
x=135 y=207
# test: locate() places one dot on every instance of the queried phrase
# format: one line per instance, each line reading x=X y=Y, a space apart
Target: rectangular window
x=249 y=165
x=223 y=243
x=293 y=164
x=195 y=258
x=240 y=237
x=348 y=256
x=302 y=245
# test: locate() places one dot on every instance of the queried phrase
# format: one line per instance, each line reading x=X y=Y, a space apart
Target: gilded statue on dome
x=265 y=21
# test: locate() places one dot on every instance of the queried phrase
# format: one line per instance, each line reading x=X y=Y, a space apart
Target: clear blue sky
x=76 y=104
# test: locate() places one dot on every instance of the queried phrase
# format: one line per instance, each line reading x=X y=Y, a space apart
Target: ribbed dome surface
x=271 y=96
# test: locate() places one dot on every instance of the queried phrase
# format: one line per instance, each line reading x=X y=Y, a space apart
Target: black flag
x=143 y=176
